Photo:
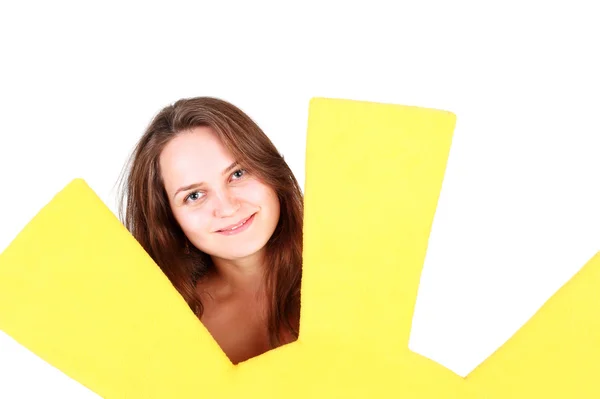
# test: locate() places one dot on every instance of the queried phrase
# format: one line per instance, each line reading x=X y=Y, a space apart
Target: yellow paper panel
x=77 y=290
x=556 y=354
x=373 y=178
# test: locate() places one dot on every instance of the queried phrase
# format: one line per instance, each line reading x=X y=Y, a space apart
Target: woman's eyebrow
x=196 y=185
x=188 y=187
x=230 y=167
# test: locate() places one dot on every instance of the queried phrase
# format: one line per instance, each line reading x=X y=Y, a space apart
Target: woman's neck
x=241 y=275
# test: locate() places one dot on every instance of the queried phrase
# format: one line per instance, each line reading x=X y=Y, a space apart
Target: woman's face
x=224 y=211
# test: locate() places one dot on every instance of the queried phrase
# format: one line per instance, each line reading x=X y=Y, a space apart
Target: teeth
x=235 y=227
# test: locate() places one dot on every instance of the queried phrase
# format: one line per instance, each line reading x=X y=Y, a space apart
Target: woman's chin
x=243 y=253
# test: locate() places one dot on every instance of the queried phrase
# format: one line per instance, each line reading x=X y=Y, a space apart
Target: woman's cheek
x=187 y=222
x=255 y=192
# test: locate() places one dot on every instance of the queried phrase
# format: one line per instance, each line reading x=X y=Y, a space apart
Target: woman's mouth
x=237 y=228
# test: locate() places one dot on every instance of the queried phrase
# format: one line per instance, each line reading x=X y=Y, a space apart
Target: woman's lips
x=238 y=228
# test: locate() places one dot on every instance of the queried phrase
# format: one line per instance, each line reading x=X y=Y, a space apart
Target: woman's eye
x=195 y=196
x=238 y=174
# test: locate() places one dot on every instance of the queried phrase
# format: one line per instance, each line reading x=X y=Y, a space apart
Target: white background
x=519 y=212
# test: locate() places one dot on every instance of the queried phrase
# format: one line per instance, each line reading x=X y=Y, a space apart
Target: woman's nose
x=227 y=205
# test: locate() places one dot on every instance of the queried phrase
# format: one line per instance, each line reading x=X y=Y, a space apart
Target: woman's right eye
x=192 y=197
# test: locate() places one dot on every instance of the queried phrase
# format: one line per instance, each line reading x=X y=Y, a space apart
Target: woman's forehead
x=194 y=156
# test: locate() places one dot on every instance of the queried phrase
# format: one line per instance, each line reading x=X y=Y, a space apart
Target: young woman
x=212 y=201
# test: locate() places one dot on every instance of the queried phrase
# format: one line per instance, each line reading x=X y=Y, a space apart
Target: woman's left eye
x=238 y=174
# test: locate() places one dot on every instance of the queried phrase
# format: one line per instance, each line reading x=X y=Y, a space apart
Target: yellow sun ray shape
x=79 y=291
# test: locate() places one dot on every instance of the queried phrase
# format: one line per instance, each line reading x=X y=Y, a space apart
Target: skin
x=208 y=192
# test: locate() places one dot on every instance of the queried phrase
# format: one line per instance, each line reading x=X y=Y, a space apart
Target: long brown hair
x=144 y=208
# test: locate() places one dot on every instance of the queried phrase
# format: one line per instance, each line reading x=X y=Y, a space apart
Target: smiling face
x=222 y=209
